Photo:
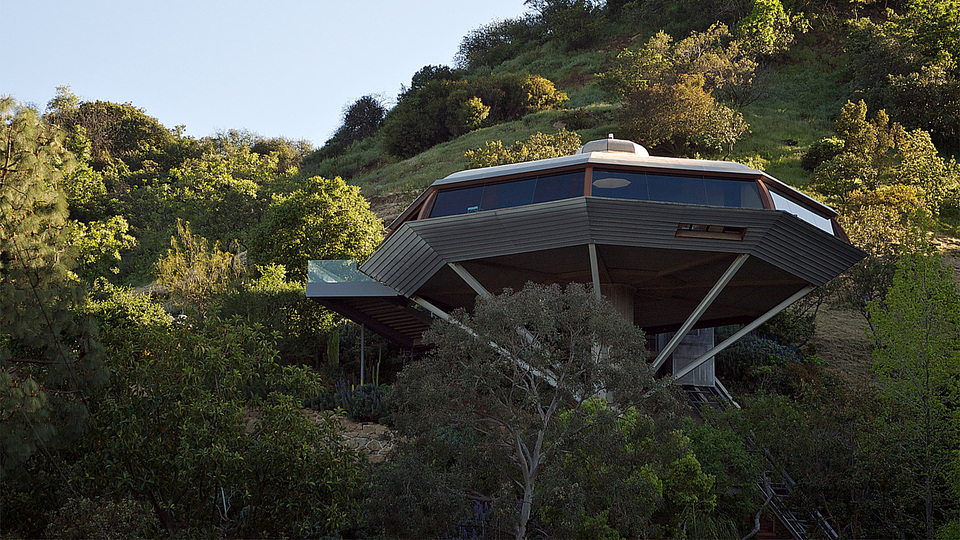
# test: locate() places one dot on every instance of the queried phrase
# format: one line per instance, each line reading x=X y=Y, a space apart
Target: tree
x=116 y=132
x=439 y=109
x=322 y=219
x=491 y=44
x=908 y=65
x=289 y=153
x=202 y=424
x=574 y=24
x=50 y=360
x=769 y=28
x=362 y=119
x=628 y=474
x=667 y=91
x=508 y=372
x=878 y=152
x=917 y=329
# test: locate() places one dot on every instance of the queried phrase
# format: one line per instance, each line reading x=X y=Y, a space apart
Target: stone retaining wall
x=375 y=440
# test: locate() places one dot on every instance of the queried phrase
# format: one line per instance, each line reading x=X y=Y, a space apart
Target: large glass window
x=508 y=194
x=457 y=201
x=675 y=188
x=560 y=186
x=782 y=203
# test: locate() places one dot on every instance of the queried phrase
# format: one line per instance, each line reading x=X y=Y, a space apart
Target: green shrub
x=493 y=43
x=101 y=519
x=823 y=150
x=411 y=499
x=440 y=109
x=759 y=363
x=537 y=146
x=364 y=403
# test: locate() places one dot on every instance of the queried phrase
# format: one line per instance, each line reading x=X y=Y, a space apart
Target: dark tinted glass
x=561 y=186
x=508 y=194
x=457 y=201
x=678 y=189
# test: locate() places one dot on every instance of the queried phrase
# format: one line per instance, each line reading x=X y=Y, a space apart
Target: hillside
x=158 y=354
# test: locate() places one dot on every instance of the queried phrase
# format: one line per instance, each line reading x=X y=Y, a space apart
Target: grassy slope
x=802 y=97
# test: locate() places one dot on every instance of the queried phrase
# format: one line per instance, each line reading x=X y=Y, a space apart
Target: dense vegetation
x=158 y=352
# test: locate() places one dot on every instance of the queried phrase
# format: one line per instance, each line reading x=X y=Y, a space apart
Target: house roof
x=669 y=254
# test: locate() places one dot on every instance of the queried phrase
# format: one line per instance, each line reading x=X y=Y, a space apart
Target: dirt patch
x=388 y=207
x=841 y=339
x=949 y=248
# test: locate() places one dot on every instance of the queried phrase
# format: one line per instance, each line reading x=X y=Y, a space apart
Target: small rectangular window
x=780 y=202
x=714 y=232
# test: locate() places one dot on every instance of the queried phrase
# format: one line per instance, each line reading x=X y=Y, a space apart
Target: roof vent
x=614 y=145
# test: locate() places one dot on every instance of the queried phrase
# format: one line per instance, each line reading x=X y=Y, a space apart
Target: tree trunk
x=525 y=509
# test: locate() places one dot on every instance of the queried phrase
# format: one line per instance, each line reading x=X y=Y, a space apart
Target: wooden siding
x=416 y=251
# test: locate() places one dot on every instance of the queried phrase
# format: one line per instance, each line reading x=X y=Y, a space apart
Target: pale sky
x=277 y=68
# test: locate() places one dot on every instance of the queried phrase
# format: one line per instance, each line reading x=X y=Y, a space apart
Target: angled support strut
x=742 y=332
x=701 y=309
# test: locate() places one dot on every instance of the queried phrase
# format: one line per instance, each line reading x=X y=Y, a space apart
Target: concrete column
x=621 y=296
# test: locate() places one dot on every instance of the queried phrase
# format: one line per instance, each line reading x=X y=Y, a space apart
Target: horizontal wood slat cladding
x=402 y=324
x=419 y=249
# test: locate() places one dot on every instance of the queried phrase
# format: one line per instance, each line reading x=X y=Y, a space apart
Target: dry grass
x=949 y=248
x=841 y=339
x=841 y=336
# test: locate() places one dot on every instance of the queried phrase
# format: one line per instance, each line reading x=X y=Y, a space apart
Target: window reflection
x=508 y=194
x=676 y=188
x=782 y=203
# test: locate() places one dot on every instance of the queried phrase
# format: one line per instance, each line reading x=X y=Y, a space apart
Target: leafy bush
x=574 y=24
x=491 y=44
x=322 y=219
x=758 y=361
x=437 y=109
x=667 y=91
x=908 y=65
x=769 y=28
x=364 y=403
x=203 y=420
x=299 y=325
x=538 y=146
x=101 y=519
x=877 y=153
x=411 y=499
x=823 y=150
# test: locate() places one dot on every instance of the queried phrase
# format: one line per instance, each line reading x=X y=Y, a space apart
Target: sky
x=278 y=68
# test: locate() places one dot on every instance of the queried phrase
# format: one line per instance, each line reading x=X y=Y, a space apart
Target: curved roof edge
x=601 y=152
x=599 y=158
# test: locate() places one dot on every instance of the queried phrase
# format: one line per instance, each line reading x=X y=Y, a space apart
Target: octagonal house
x=678 y=246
